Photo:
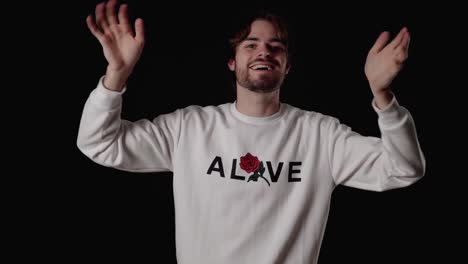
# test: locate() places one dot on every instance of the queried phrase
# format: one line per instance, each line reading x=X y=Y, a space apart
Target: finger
x=123 y=17
x=401 y=57
x=93 y=28
x=110 y=11
x=406 y=40
x=380 y=42
x=100 y=17
x=397 y=40
x=140 y=30
x=400 y=54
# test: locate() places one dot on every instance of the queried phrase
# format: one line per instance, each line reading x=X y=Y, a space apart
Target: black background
x=85 y=211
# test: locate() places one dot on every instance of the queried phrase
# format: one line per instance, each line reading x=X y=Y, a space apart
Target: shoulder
x=325 y=125
x=311 y=117
x=204 y=112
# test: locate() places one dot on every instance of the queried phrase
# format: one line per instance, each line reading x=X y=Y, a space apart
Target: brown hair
x=244 y=30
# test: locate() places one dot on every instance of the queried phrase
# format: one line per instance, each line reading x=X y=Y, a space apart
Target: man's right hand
x=122 y=48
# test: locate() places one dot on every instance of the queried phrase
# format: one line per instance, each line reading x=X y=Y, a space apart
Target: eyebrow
x=270 y=40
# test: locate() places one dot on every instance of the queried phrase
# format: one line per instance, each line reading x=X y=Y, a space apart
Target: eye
x=250 y=46
x=278 y=48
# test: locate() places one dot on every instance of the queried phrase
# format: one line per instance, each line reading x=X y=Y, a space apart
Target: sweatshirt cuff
x=106 y=98
x=391 y=114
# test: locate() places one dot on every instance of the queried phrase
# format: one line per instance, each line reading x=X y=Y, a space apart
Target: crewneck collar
x=257 y=120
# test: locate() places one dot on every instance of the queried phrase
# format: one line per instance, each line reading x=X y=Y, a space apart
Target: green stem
x=265 y=180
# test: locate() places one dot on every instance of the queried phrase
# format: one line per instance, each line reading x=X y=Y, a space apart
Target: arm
x=394 y=160
x=103 y=136
x=141 y=146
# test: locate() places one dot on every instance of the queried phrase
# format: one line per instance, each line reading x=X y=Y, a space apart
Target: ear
x=288 y=67
x=232 y=64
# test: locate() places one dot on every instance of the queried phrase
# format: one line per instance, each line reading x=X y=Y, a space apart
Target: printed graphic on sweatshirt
x=255 y=167
x=250 y=164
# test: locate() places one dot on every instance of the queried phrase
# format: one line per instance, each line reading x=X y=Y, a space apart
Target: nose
x=264 y=52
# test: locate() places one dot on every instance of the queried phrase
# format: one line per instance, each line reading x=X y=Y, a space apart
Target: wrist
x=383 y=98
x=115 y=80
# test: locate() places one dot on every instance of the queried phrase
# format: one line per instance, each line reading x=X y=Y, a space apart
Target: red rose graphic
x=249 y=163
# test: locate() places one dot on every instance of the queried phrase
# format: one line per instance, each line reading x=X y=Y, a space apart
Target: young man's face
x=260 y=63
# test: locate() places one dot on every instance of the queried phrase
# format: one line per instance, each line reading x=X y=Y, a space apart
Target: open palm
x=384 y=61
x=122 y=48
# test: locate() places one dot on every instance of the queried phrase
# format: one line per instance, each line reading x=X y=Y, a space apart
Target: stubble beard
x=263 y=84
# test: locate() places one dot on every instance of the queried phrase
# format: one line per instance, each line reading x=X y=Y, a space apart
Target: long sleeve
x=141 y=146
x=393 y=161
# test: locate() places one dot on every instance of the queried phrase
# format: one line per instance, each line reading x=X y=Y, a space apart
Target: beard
x=265 y=83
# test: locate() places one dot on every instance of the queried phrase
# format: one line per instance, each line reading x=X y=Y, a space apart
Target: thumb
x=140 y=30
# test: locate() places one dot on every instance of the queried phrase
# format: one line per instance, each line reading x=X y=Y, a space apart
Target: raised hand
x=384 y=61
x=122 y=47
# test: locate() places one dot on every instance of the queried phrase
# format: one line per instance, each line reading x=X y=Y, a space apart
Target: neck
x=257 y=104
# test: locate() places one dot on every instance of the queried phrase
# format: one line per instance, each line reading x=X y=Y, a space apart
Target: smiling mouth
x=262 y=67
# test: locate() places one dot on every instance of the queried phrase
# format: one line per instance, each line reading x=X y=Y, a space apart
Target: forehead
x=263 y=29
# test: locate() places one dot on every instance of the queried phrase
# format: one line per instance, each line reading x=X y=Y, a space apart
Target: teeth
x=261 y=67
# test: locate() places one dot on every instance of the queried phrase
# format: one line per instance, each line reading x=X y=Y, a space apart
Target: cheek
x=239 y=62
x=241 y=59
x=284 y=64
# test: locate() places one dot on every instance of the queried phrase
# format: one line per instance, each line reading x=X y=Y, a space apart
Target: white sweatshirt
x=251 y=189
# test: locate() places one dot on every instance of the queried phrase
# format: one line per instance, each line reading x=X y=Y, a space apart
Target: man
x=253 y=178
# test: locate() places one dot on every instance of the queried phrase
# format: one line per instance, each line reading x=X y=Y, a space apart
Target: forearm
x=109 y=140
x=99 y=124
x=406 y=161
x=395 y=160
